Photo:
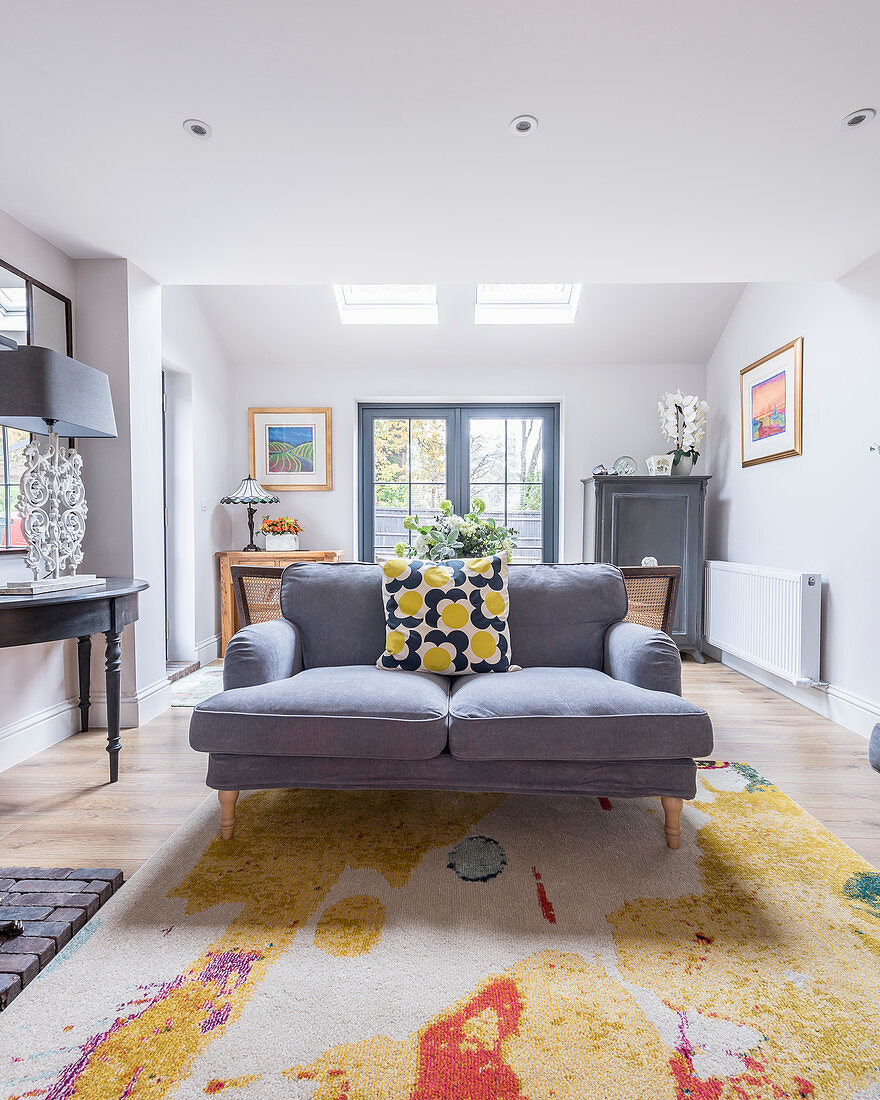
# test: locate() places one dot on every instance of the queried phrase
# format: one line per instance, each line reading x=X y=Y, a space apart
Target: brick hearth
x=51 y=906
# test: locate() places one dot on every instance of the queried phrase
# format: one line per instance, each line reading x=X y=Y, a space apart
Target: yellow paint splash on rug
x=768 y=945
x=353 y=926
x=554 y=1025
x=290 y=847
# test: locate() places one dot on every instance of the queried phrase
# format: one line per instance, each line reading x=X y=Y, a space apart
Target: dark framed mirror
x=30 y=313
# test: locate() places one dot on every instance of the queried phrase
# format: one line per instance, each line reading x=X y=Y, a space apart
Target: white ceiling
x=299 y=326
x=368 y=142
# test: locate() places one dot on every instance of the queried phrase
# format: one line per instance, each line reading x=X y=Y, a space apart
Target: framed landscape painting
x=771 y=403
x=290 y=448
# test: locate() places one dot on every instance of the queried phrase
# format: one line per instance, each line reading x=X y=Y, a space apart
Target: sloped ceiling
x=620 y=324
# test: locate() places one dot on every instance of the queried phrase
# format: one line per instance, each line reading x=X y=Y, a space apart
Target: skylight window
x=387 y=303
x=526 y=303
x=13 y=316
x=12 y=300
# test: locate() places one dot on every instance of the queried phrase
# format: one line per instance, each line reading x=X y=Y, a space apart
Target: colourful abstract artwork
x=290 y=448
x=768 y=407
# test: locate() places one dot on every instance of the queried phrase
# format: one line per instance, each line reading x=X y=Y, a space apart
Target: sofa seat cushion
x=355 y=711
x=571 y=714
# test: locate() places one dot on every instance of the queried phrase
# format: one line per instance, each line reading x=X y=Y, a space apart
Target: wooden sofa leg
x=672 y=807
x=227 y=813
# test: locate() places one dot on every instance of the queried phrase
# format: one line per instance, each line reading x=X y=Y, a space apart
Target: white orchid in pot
x=683 y=422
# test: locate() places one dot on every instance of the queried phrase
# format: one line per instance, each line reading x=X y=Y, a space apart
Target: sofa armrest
x=261 y=653
x=642 y=656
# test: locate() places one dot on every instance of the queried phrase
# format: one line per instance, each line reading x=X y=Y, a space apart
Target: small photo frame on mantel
x=771 y=405
x=290 y=448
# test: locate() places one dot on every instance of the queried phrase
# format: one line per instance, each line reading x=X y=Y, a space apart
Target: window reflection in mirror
x=13 y=306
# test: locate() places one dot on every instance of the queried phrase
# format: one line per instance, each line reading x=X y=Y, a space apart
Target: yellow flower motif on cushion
x=394 y=567
x=437 y=576
x=410 y=603
x=436 y=660
x=454 y=615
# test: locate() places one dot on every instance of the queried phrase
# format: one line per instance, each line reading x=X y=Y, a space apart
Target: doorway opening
x=179 y=522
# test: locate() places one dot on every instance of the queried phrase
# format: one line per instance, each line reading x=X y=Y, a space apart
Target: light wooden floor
x=57 y=808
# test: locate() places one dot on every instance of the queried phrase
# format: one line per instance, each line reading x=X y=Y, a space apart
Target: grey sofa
x=596 y=709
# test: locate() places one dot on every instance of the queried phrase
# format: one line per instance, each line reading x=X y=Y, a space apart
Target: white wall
x=607 y=410
x=817 y=511
x=37 y=683
x=118 y=314
x=180 y=517
x=190 y=347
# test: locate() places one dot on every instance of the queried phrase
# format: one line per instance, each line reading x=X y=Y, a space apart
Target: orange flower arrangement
x=281 y=525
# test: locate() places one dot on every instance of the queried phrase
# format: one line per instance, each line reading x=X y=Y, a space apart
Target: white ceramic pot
x=684 y=467
x=658 y=464
x=282 y=542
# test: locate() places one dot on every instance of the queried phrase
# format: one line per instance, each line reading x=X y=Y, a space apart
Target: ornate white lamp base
x=52 y=506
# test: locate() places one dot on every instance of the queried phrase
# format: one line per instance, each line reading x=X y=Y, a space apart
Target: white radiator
x=769 y=617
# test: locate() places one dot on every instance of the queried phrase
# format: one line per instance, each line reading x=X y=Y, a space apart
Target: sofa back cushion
x=337 y=610
x=558 y=613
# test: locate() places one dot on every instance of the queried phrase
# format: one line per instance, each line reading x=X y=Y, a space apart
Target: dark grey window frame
x=458 y=417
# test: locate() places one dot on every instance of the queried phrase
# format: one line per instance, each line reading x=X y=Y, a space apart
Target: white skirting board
x=208 y=650
x=857 y=714
x=134 y=710
x=30 y=735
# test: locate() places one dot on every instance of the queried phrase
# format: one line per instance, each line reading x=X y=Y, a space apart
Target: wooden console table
x=79 y=613
x=227 y=558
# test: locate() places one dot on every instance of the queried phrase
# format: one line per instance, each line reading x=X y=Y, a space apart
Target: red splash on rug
x=456 y=1062
x=756 y=1081
x=543 y=900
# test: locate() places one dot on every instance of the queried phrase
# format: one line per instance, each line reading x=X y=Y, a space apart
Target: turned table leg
x=672 y=807
x=114 y=686
x=227 y=813
x=84 y=657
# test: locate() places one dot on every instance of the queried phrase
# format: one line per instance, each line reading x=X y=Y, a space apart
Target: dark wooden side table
x=79 y=613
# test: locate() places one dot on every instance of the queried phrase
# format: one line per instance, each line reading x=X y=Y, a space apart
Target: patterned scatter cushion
x=448 y=617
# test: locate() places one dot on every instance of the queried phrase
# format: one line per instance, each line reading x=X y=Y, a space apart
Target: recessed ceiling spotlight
x=524 y=124
x=198 y=128
x=858 y=118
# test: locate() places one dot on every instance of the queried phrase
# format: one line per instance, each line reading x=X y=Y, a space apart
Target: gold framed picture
x=771 y=405
x=290 y=448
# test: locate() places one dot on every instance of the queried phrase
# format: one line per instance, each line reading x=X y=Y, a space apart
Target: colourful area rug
x=197 y=687
x=436 y=946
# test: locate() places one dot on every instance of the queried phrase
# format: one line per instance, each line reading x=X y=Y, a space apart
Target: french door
x=414 y=456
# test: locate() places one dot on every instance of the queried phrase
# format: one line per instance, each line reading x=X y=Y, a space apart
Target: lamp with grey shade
x=251 y=493
x=46 y=393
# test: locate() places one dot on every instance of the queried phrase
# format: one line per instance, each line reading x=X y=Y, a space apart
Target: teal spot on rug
x=864 y=887
x=477 y=859
x=755 y=782
x=73 y=946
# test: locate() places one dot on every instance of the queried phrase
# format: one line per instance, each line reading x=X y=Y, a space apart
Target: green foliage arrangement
x=452 y=536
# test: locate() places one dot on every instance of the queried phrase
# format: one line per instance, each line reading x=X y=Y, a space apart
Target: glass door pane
x=409 y=476
x=506 y=465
